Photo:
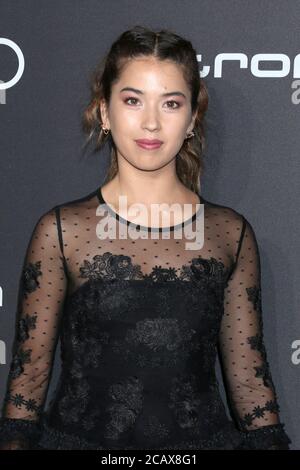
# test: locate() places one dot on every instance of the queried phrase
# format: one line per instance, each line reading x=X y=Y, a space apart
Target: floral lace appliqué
x=18 y=400
x=126 y=403
x=110 y=266
x=30 y=275
x=159 y=342
x=257 y=341
x=270 y=406
x=24 y=325
x=21 y=356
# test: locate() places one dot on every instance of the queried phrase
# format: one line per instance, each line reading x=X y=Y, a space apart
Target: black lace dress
x=141 y=319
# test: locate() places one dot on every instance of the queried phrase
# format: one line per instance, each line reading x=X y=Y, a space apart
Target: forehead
x=150 y=73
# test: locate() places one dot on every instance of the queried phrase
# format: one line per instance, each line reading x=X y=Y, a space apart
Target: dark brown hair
x=163 y=45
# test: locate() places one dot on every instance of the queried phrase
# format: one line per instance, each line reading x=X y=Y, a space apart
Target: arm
x=41 y=294
x=251 y=391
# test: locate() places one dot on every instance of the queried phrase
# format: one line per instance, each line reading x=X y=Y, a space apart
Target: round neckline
x=144 y=227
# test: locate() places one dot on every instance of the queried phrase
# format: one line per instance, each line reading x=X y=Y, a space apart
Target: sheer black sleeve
x=251 y=391
x=41 y=294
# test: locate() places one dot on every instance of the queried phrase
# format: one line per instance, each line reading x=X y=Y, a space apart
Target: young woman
x=140 y=309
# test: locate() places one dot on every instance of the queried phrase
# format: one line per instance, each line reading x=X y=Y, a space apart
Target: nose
x=151 y=119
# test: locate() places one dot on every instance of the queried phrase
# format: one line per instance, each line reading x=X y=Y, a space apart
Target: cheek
x=126 y=123
x=175 y=134
x=174 y=125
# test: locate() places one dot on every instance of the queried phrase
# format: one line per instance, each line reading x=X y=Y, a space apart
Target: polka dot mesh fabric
x=141 y=321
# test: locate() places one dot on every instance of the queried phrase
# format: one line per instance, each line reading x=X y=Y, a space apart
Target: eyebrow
x=140 y=92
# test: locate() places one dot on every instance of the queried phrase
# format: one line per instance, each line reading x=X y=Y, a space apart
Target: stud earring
x=106 y=131
x=191 y=134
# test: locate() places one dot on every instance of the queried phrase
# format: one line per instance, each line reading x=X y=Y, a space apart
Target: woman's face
x=147 y=114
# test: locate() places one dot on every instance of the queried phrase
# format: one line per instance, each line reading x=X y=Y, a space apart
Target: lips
x=149 y=144
x=149 y=141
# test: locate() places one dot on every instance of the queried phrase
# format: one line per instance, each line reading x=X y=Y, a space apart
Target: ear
x=104 y=113
x=192 y=124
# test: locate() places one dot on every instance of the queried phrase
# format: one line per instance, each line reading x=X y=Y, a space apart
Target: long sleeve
x=249 y=385
x=42 y=288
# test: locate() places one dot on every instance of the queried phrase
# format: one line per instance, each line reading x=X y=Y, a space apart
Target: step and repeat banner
x=249 y=57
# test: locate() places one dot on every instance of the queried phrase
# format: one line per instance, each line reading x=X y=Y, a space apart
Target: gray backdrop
x=252 y=155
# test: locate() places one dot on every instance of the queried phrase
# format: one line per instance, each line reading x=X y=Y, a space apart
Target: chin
x=152 y=164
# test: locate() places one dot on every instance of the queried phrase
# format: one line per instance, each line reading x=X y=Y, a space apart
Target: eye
x=176 y=102
x=131 y=98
